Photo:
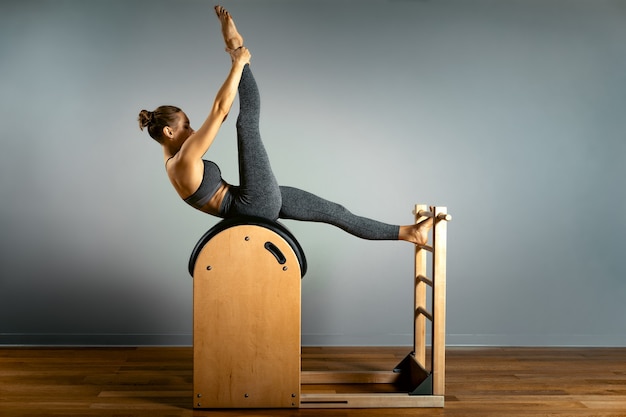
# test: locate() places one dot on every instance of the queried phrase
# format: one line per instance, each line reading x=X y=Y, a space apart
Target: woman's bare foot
x=232 y=38
x=416 y=233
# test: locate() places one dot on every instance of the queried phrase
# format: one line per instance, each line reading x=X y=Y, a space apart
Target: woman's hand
x=240 y=55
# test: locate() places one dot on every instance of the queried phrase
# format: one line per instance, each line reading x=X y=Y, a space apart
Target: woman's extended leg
x=258 y=193
x=302 y=205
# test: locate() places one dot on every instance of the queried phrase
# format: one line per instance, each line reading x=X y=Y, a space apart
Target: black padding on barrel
x=275 y=227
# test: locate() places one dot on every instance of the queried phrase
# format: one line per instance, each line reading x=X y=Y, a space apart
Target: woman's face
x=182 y=130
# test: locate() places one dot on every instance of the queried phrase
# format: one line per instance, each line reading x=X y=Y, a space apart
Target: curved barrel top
x=274 y=226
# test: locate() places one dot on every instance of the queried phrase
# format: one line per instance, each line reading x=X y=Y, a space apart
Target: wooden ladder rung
x=426 y=247
x=425 y=280
x=421 y=310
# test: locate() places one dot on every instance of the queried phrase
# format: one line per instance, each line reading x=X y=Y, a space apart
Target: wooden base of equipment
x=377 y=389
x=247 y=291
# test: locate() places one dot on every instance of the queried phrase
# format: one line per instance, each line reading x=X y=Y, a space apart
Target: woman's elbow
x=220 y=112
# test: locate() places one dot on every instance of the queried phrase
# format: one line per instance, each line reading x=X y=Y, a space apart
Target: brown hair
x=156 y=120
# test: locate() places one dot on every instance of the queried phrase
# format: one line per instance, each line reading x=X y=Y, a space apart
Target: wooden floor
x=128 y=382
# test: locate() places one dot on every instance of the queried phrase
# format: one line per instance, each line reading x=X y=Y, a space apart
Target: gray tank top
x=211 y=181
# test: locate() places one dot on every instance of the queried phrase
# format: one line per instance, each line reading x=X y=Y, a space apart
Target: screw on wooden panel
x=285 y=268
x=246 y=395
x=293 y=395
x=208 y=268
x=247 y=238
x=199 y=395
x=199 y=405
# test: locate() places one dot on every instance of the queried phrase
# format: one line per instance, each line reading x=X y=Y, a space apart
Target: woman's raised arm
x=198 y=143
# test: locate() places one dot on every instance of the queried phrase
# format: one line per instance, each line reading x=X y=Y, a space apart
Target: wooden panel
x=349 y=377
x=439 y=302
x=370 y=401
x=421 y=270
x=246 y=322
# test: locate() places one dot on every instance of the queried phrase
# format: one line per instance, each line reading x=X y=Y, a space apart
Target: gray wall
x=511 y=113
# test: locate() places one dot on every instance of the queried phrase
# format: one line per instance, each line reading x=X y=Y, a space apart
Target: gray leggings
x=259 y=194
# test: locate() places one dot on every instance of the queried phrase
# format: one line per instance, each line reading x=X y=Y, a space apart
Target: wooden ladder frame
x=424 y=383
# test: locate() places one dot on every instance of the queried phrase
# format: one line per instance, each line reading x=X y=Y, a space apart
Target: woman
x=200 y=184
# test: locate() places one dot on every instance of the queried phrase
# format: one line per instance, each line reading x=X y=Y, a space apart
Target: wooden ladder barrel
x=246 y=294
x=246 y=316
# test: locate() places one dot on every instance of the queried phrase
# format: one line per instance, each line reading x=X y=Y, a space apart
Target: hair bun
x=146 y=118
